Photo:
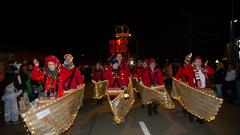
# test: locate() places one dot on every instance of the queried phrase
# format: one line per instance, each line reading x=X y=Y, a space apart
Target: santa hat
x=53 y=59
x=188 y=58
x=152 y=60
x=68 y=55
x=198 y=58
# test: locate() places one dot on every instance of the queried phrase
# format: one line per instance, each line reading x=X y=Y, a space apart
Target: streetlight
x=235 y=20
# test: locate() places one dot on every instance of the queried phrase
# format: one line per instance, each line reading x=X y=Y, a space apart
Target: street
x=94 y=119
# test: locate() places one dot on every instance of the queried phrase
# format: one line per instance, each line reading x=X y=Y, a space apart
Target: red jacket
x=152 y=77
x=38 y=75
x=138 y=73
x=98 y=75
x=180 y=75
x=117 y=78
x=189 y=73
x=124 y=66
x=76 y=80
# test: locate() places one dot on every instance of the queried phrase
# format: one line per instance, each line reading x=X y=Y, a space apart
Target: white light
x=126 y=95
x=131 y=62
x=235 y=20
x=216 y=61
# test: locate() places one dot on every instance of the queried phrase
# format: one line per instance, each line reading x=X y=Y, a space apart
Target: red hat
x=152 y=60
x=145 y=60
x=198 y=58
x=53 y=59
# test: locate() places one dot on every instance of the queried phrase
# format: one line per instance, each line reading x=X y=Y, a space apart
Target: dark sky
x=174 y=27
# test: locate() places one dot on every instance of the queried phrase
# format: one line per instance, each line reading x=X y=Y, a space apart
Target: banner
x=53 y=116
x=121 y=105
x=100 y=89
x=157 y=94
x=202 y=103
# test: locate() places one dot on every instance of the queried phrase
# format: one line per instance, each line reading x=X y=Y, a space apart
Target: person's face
x=115 y=66
x=119 y=57
x=198 y=62
x=97 y=65
x=139 y=63
x=51 y=66
x=68 y=59
x=145 y=64
x=152 y=65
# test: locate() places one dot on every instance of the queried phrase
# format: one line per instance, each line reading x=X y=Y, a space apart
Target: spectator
x=229 y=87
x=219 y=77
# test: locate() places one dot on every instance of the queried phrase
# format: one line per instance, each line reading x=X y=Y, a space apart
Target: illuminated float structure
x=120 y=43
x=53 y=116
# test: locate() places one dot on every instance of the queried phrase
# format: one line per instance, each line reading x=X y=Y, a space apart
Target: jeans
x=219 y=89
x=238 y=89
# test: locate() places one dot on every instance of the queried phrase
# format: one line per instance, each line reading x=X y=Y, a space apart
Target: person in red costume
x=197 y=76
x=140 y=70
x=117 y=77
x=72 y=75
x=180 y=75
x=197 y=73
x=152 y=76
x=122 y=64
x=97 y=72
x=50 y=76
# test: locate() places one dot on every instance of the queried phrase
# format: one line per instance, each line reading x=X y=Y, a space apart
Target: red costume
x=198 y=77
x=98 y=75
x=51 y=80
x=151 y=78
x=124 y=66
x=72 y=76
x=117 y=78
x=180 y=75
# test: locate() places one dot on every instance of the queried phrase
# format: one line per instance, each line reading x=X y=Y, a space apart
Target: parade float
x=53 y=116
x=100 y=89
x=202 y=103
x=156 y=94
x=121 y=101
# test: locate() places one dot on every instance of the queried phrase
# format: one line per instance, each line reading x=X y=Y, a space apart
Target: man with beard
x=72 y=75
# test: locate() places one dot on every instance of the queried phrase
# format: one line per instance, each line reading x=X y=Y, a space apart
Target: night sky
x=175 y=27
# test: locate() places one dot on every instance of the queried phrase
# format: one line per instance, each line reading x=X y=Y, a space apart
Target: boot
x=184 y=111
x=155 y=107
x=200 y=121
x=150 y=108
x=190 y=117
x=99 y=101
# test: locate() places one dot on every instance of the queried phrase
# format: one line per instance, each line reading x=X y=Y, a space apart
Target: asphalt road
x=94 y=119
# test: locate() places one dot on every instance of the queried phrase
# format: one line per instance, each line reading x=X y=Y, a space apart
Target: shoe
x=8 y=123
x=15 y=122
x=184 y=111
x=190 y=117
x=150 y=108
x=200 y=121
x=99 y=101
x=155 y=107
